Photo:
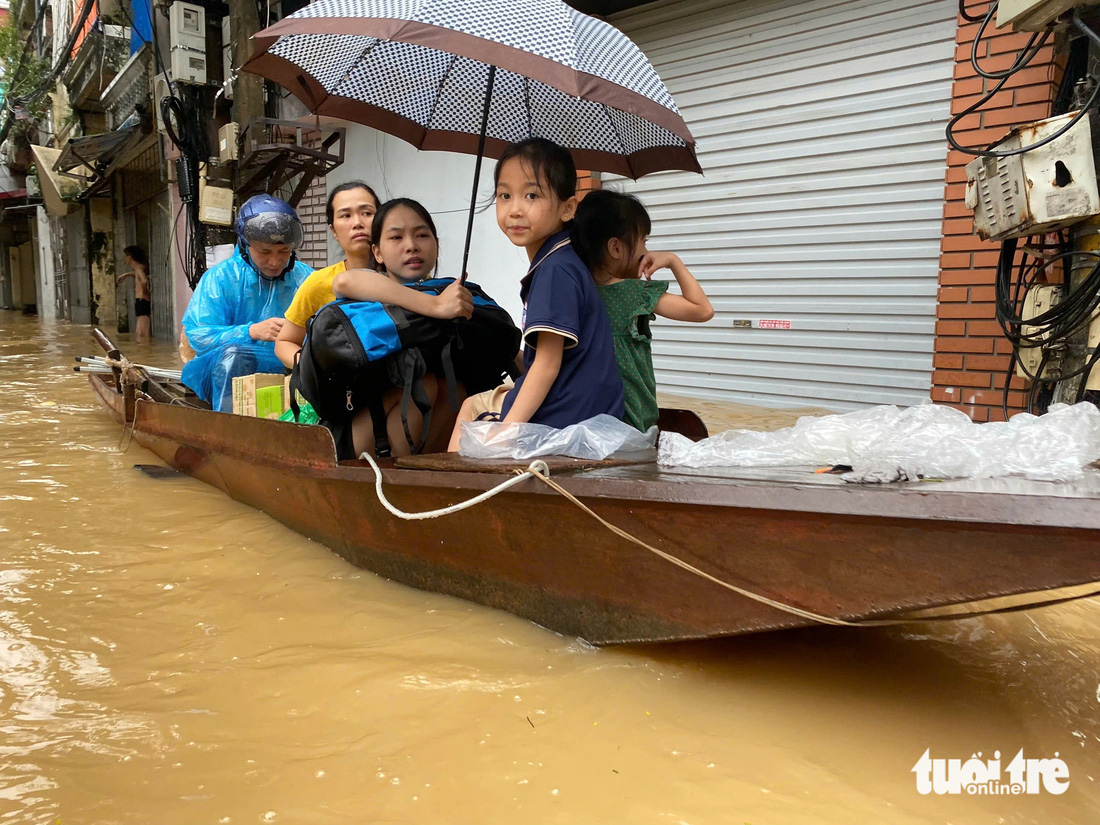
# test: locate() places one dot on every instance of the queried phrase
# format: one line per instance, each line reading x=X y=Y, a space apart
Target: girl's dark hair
x=552 y=164
x=389 y=206
x=603 y=215
x=347 y=187
x=138 y=254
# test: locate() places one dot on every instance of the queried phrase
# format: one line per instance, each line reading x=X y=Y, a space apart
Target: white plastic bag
x=596 y=438
x=892 y=444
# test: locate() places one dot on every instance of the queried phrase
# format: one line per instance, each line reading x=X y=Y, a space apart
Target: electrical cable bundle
x=186 y=129
x=1051 y=329
x=1034 y=45
x=47 y=83
x=1057 y=326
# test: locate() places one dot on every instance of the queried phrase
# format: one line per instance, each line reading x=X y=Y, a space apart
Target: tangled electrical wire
x=11 y=101
x=186 y=129
x=1053 y=330
x=1034 y=45
x=1057 y=330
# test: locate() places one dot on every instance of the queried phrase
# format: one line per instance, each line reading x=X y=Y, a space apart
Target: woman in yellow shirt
x=350 y=210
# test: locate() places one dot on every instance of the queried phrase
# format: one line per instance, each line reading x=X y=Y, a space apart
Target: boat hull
x=836 y=550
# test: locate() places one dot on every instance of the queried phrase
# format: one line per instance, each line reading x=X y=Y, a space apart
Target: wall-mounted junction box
x=215 y=204
x=227 y=141
x=1044 y=189
x=1039 y=299
x=1031 y=15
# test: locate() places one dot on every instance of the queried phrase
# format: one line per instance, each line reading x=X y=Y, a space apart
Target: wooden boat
x=803 y=539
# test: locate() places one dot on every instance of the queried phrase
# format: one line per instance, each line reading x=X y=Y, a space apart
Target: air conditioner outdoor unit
x=162 y=88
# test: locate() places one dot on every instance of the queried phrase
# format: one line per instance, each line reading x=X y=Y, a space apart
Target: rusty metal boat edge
x=845 y=551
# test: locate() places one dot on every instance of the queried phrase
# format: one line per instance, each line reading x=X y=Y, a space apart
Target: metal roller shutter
x=820 y=128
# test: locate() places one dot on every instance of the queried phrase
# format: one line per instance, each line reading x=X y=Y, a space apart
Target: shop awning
x=57 y=189
x=95 y=151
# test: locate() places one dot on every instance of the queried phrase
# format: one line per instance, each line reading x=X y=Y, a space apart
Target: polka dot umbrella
x=473 y=76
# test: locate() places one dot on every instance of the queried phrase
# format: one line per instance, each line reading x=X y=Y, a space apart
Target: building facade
x=828 y=228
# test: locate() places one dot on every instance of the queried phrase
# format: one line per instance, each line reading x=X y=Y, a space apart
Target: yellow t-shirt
x=314 y=293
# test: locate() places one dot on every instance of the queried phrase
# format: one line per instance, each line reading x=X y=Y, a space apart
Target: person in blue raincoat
x=238 y=307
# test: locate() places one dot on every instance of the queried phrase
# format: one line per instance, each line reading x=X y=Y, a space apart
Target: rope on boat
x=129 y=370
x=535 y=468
x=540 y=470
x=127 y=433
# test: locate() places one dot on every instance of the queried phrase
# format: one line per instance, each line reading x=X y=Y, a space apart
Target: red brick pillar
x=971 y=352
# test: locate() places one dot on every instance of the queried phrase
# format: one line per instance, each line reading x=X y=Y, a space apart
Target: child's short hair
x=603 y=215
x=551 y=163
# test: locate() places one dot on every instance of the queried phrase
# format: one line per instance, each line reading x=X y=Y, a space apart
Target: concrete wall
x=101 y=259
x=442 y=182
x=47 y=287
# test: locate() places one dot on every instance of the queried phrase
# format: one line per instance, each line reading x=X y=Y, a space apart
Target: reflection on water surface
x=170 y=656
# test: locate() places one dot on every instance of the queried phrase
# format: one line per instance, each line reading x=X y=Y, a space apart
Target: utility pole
x=248 y=90
x=1079 y=346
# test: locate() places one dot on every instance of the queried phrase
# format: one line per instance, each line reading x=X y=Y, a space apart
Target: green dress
x=630 y=304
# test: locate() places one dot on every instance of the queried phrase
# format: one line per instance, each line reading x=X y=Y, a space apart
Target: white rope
x=537 y=467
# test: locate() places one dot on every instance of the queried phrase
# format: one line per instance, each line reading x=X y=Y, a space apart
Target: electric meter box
x=188 y=65
x=1031 y=15
x=1044 y=189
x=187 y=26
x=1039 y=299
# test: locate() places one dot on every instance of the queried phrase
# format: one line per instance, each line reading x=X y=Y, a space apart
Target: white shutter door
x=820 y=129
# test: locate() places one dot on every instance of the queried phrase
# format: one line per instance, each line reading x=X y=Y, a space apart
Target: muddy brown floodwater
x=170 y=656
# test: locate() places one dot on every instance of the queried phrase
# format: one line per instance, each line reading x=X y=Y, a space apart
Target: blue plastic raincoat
x=230 y=298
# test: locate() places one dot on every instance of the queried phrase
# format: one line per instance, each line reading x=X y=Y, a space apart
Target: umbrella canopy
x=421 y=70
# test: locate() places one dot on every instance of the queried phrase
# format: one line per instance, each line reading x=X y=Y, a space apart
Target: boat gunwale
x=820 y=493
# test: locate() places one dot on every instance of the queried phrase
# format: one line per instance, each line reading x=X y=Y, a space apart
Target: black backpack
x=356 y=350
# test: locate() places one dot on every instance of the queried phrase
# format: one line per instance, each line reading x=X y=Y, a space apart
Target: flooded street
x=170 y=656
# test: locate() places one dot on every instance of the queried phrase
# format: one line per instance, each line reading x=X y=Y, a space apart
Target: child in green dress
x=609 y=234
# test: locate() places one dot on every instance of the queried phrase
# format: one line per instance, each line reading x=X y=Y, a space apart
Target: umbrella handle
x=477 y=171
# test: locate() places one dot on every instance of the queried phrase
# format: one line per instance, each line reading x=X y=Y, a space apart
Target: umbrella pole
x=477 y=171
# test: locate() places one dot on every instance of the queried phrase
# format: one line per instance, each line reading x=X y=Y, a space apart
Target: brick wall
x=971 y=353
x=311 y=210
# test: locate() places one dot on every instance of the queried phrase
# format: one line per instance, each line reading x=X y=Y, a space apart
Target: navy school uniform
x=560 y=296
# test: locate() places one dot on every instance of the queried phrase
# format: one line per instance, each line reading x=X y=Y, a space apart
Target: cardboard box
x=245 y=389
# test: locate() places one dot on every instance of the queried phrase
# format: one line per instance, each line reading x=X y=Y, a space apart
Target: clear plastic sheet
x=596 y=438
x=884 y=444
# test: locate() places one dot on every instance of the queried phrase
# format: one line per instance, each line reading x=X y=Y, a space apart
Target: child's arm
x=693 y=305
x=365 y=285
x=124 y=276
x=536 y=384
